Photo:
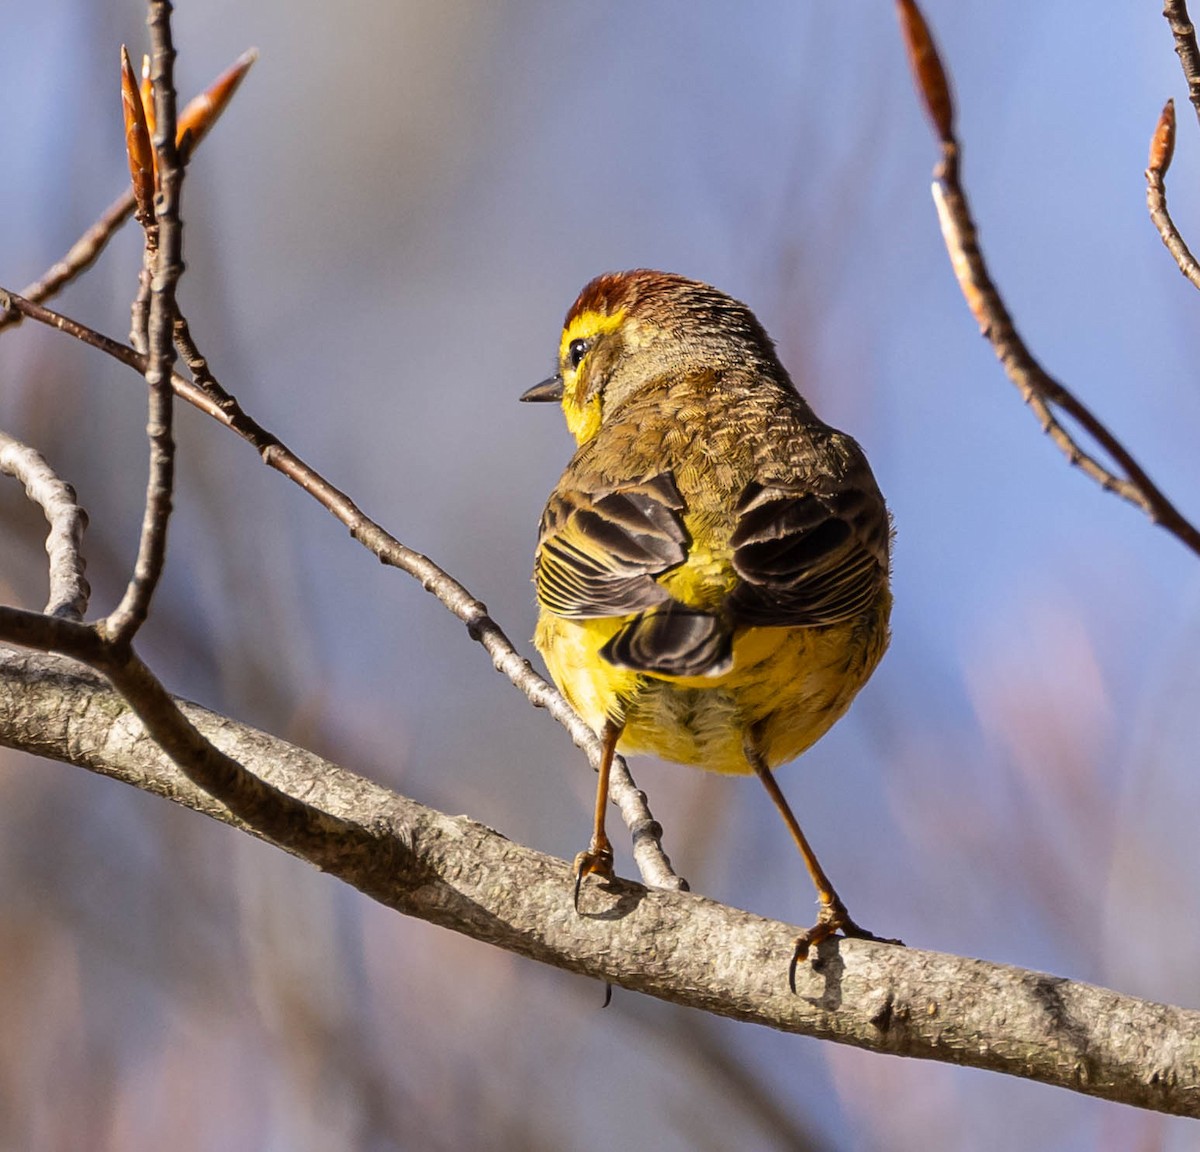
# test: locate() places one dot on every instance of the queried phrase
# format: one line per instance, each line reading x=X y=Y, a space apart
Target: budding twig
x=1046 y=396
x=195 y=122
x=1162 y=148
x=164 y=262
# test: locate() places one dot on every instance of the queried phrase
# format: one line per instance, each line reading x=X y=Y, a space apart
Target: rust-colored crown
x=672 y=302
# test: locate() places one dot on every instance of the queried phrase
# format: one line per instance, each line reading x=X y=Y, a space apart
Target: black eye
x=576 y=351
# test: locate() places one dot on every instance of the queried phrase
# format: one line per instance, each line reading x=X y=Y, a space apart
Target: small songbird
x=712 y=569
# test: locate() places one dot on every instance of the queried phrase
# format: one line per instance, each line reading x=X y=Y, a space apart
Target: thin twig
x=81 y=256
x=164 y=253
x=1040 y=391
x=1161 y=149
x=649 y=855
x=197 y=365
x=1185 y=47
x=69 y=590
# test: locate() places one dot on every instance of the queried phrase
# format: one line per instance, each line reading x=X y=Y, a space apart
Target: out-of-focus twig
x=69 y=591
x=1041 y=392
x=194 y=123
x=649 y=855
x=1162 y=148
x=1185 y=47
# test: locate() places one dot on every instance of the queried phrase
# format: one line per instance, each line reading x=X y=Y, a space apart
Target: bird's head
x=628 y=331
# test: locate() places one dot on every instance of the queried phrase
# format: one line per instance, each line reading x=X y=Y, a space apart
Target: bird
x=712 y=569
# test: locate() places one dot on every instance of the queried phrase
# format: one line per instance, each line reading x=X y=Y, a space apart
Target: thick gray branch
x=676 y=946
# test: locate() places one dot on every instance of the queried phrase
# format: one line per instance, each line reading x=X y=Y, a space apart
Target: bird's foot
x=832 y=919
x=596 y=861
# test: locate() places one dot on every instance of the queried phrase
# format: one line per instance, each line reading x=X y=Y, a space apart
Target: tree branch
x=164 y=256
x=675 y=946
x=279 y=817
x=69 y=590
x=1162 y=148
x=1038 y=388
x=1185 y=47
x=194 y=123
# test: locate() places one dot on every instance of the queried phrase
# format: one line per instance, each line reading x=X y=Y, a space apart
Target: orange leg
x=598 y=859
x=833 y=916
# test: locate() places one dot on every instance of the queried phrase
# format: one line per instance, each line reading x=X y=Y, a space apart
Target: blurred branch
x=208 y=395
x=1041 y=392
x=1185 y=47
x=69 y=589
x=675 y=946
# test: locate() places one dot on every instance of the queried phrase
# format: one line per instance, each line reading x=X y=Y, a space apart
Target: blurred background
x=382 y=237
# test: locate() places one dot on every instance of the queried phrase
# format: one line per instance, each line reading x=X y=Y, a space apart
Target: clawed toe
x=832 y=919
x=596 y=861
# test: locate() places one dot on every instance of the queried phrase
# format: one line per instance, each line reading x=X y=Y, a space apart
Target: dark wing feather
x=672 y=641
x=806 y=558
x=599 y=553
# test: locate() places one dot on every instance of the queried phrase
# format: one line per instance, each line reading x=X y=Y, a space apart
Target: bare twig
x=1185 y=47
x=164 y=251
x=1162 y=146
x=1040 y=391
x=69 y=589
x=649 y=855
x=79 y=258
x=676 y=946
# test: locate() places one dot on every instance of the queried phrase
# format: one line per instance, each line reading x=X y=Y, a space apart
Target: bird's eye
x=576 y=351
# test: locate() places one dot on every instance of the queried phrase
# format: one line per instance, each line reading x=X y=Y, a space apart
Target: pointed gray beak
x=551 y=389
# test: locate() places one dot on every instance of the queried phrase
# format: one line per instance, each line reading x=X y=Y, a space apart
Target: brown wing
x=807 y=558
x=599 y=553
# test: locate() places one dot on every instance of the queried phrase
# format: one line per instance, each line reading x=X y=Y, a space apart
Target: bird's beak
x=551 y=389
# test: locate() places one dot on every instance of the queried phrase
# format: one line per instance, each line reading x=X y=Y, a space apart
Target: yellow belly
x=787 y=685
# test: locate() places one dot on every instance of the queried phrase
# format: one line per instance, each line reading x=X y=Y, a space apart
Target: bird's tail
x=673 y=641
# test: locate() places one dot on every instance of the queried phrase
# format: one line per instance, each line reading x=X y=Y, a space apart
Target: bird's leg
x=598 y=859
x=833 y=916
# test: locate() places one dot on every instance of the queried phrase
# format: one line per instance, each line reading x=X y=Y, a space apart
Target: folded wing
x=805 y=558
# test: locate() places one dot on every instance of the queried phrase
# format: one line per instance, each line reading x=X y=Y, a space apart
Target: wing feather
x=807 y=558
x=600 y=553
